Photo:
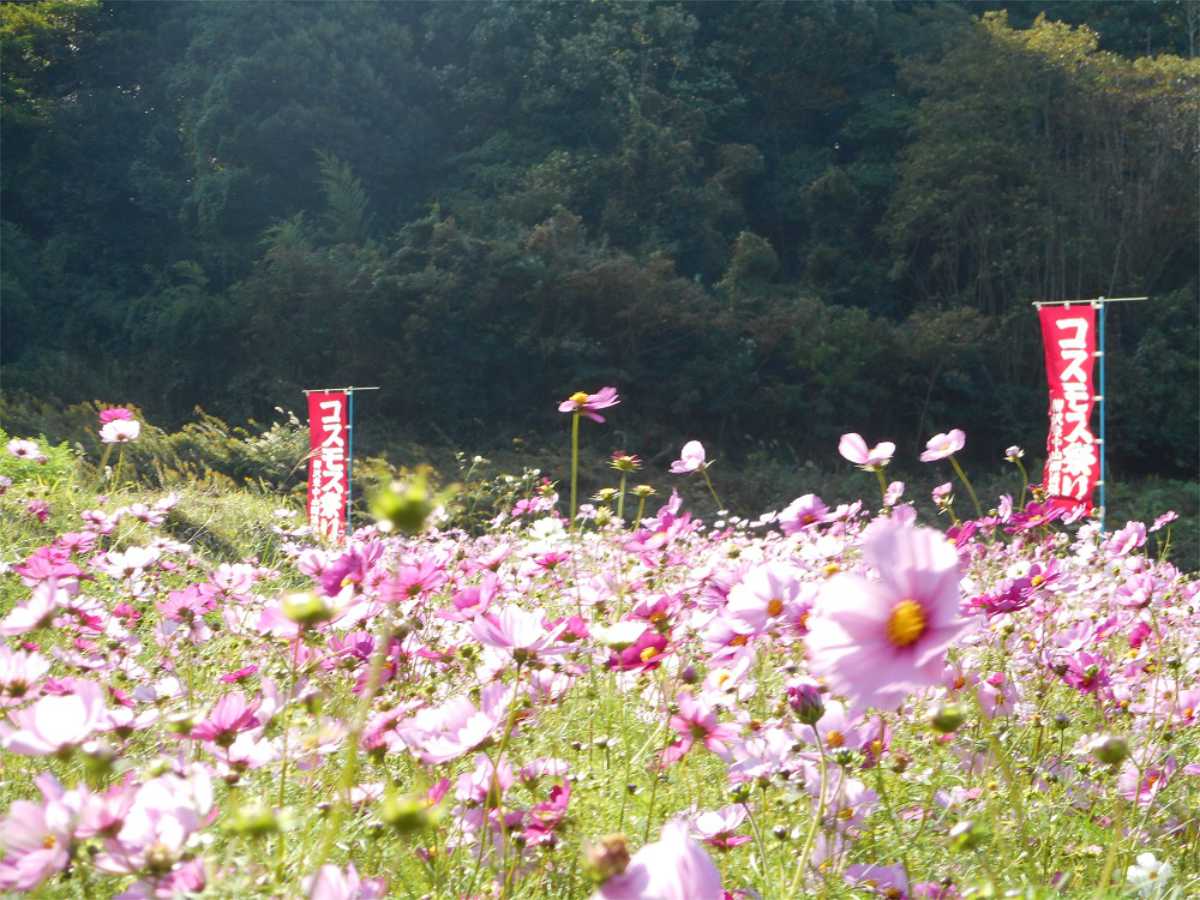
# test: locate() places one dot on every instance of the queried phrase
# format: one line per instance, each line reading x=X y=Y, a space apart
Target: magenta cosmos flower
x=942 y=445
x=876 y=640
x=691 y=459
x=854 y=448
x=115 y=414
x=588 y=404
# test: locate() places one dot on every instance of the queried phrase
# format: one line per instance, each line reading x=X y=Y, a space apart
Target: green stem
x=349 y=771
x=1014 y=789
x=815 y=825
x=882 y=484
x=621 y=497
x=641 y=510
x=962 y=476
x=1024 y=482
x=574 y=466
x=1111 y=859
x=881 y=789
x=708 y=481
x=650 y=811
x=283 y=766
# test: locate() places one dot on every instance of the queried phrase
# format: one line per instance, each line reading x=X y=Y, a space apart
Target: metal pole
x=350 y=459
x=1102 y=399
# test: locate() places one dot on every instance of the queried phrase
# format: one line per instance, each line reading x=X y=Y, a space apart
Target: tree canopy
x=767 y=220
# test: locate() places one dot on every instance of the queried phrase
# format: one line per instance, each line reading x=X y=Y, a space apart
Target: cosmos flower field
x=894 y=696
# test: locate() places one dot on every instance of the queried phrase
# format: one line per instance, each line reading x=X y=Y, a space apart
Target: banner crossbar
x=1093 y=301
x=347 y=390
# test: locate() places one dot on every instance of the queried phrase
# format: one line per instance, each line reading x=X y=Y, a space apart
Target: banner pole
x=1103 y=410
x=350 y=457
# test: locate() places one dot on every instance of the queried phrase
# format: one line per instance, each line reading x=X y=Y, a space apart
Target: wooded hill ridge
x=760 y=220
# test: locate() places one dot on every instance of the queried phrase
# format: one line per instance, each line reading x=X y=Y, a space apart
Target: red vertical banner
x=328 y=479
x=1072 y=454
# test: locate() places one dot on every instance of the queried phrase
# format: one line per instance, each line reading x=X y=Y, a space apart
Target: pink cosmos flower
x=446 y=732
x=115 y=414
x=876 y=640
x=695 y=721
x=885 y=881
x=942 y=445
x=716 y=828
x=521 y=633
x=38 y=839
x=120 y=431
x=803 y=512
x=39 y=509
x=854 y=448
x=331 y=883
x=672 y=868
x=587 y=404
x=56 y=722
x=691 y=459
x=23 y=449
x=770 y=595
x=229 y=715
x=19 y=671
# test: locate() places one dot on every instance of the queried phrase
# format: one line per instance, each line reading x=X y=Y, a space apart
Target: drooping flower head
x=941 y=446
x=587 y=405
x=854 y=448
x=875 y=640
x=691 y=459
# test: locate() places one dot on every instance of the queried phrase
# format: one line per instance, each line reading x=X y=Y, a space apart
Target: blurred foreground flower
x=675 y=867
x=1149 y=877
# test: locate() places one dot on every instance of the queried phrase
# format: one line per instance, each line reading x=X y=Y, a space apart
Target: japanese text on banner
x=1072 y=454
x=328 y=478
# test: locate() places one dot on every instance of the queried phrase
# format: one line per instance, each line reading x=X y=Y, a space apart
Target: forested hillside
x=763 y=221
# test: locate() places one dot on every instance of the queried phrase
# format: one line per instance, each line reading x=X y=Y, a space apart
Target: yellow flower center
x=832 y=569
x=647 y=654
x=49 y=842
x=835 y=739
x=907 y=623
x=1036 y=580
x=579 y=398
x=774 y=606
x=738 y=640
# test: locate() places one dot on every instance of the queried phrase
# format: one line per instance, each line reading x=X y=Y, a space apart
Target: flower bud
x=805 y=699
x=306 y=609
x=1110 y=749
x=969 y=835
x=405 y=813
x=606 y=858
x=948 y=717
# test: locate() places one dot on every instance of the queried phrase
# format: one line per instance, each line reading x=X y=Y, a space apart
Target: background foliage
x=768 y=223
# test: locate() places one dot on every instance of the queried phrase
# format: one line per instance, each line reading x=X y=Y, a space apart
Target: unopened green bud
x=1110 y=749
x=406 y=814
x=306 y=608
x=254 y=820
x=948 y=717
x=969 y=835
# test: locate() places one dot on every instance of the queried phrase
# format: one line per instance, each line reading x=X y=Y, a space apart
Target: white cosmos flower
x=1149 y=876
